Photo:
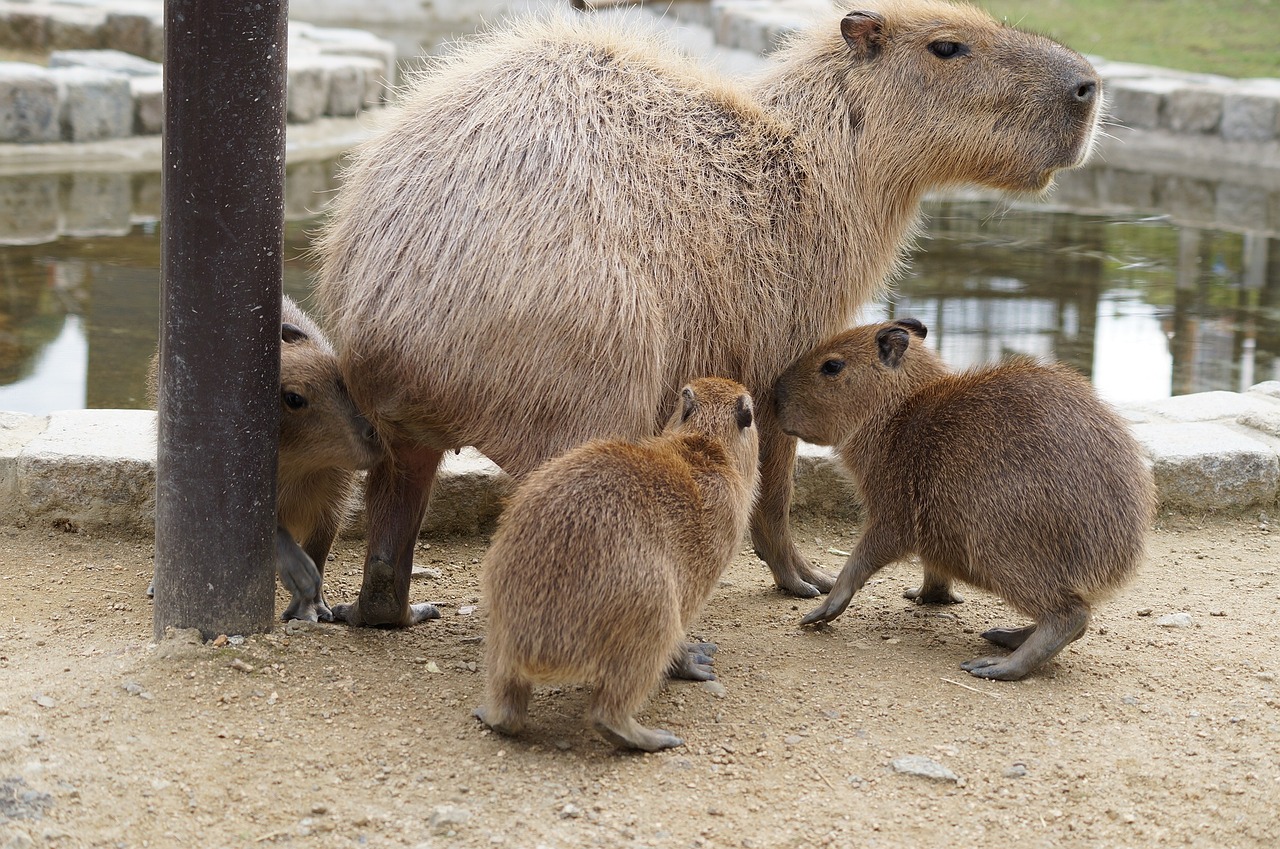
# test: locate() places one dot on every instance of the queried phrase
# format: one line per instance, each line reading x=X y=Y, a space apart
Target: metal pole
x=221 y=273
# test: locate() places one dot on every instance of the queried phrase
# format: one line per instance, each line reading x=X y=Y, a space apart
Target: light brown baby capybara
x=324 y=442
x=1015 y=478
x=564 y=210
x=606 y=554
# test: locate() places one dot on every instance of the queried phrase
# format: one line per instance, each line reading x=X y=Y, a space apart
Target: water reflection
x=1142 y=306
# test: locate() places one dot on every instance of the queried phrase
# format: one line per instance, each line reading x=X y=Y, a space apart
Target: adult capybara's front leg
x=771 y=520
x=395 y=501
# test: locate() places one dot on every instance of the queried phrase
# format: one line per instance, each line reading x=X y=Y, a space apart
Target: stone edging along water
x=1212 y=452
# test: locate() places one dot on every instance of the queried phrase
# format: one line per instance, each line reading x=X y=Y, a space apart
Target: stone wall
x=104 y=81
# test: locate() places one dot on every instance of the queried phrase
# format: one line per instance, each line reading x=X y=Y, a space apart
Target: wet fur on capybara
x=324 y=442
x=606 y=554
x=563 y=209
x=1015 y=478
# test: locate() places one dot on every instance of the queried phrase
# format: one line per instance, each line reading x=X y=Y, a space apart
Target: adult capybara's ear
x=745 y=412
x=893 y=343
x=916 y=326
x=292 y=333
x=864 y=33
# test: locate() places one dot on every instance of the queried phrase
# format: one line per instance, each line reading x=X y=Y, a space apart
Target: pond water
x=1142 y=306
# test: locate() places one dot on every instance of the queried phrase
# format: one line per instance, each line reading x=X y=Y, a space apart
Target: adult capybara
x=1014 y=478
x=606 y=554
x=564 y=211
x=324 y=441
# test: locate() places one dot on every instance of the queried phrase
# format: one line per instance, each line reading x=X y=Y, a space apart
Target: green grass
x=1235 y=38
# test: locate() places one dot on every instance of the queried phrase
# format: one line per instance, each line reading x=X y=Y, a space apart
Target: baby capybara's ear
x=864 y=33
x=914 y=325
x=688 y=402
x=893 y=343
x=292 y=333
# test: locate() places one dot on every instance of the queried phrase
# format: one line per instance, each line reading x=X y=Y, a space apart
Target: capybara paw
x=996 y=668
x=692 y=665
x=932 y=595
x=503 y=725
x=300 y=609
x=639 y=737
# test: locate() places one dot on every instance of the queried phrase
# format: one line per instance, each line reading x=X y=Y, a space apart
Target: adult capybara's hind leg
x=1040 y=643
x=395 y=502
x=934 y=589
x=771 y=519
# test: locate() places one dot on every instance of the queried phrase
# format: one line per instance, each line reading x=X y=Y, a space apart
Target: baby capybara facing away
x=1014 y=478
x=565 y=209
x=607 y=553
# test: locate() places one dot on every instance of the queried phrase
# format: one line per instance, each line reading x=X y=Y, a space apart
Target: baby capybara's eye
x=294 y=401
x=833 y=367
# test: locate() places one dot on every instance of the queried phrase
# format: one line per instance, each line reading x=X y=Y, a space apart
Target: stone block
x=25 y=28
x=1187 y=198
x=354 y=43
x=95 y=105
x=1194 y=110
x=306 y=185
x=1139 y=103
x=1208 y=406
x=1249 y=117
x=350 y=89
x=148 y=192
x=76 y=28
x=98 y=204
x=1268 y=389
x=1128 y=188
x=468 y=495
x=135 y=32
x=822 y=488
x=148 y=105
x=28 y=104
x=29 y=209
x=1242 y=206
x=16 y=430
x=1206 y=467
x=91 y=468
x=1263 y=422
x=308 y=93
x=113 y=61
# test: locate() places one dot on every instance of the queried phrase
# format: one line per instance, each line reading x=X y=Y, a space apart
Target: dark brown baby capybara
x=606 y=554
x=564 y=210
x=1015 y=478
x=324 y=442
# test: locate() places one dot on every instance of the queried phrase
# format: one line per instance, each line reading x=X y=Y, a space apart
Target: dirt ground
x=1138 y=735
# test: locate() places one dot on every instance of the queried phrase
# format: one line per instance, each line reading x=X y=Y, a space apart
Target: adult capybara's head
x=723 y=410
x=959 y=98
x=829 y=393
x=320 y=427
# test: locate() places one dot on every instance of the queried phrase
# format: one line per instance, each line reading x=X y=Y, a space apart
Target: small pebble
x=219 y=641
x=240 y=666
x=1175 y=620
x=1266 y=676
x=445 y=817
x=570 y=812
x=715 y=688
x=43 y=700
x=1145 y=611
x=1016 y=771
x=466 y=610
x=923 y=767
x=793 y=740
x=133 y=688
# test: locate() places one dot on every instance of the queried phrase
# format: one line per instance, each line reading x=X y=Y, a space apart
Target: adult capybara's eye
x=833 y=367
x=948 y=49
x=294 y=401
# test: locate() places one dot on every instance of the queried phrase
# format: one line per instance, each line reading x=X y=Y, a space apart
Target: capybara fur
x=565 y=210
x=607 y=553
x=1015 y=478
x=324 y=442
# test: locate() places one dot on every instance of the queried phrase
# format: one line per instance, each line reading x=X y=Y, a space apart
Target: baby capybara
x=1015 y=478
x=607 y=553
x=324 y=442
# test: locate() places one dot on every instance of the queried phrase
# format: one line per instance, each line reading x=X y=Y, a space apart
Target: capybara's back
x=605 y=555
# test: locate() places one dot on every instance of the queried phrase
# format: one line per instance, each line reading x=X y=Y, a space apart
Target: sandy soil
x=1138 y=735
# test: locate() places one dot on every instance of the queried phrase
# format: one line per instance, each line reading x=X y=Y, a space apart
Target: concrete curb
x=1213 y=452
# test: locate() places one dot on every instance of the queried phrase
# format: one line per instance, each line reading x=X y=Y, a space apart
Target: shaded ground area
x=1138 y=735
